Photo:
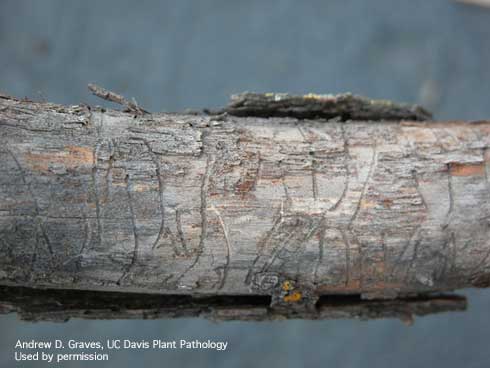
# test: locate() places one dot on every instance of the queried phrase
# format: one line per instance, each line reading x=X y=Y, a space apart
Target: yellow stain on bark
x=71 y=157
x=287 y=286
x=293 y=297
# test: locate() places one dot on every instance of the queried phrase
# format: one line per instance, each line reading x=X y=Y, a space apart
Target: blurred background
x=173 y=55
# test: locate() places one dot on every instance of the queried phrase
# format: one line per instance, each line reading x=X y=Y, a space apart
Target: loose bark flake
x=313 y=106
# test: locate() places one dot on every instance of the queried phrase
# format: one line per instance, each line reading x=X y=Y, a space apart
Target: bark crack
x=227 y=249
x=134 y=258
x=314 y=182
x=364 y=188
x=414 y=257
x=398 y=261
x=203 y=210
x=451 y=197
x=321 y=245
x=161 y=186
x=347 y=257
x=357 y=210
x=34 y=199
x=347 y=157
x=180 y=232
x=417 y=188
x=96 y=193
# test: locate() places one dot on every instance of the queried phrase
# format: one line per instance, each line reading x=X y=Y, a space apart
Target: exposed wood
x=223 y=205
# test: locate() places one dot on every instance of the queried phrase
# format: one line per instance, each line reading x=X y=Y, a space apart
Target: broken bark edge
x=61 y=305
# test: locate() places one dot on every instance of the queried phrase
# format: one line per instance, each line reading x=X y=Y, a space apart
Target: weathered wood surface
x=224 y=205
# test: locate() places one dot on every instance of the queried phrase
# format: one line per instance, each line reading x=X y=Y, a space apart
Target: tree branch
x=279 y=205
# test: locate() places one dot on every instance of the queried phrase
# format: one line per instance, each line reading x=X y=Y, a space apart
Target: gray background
x=172 y=55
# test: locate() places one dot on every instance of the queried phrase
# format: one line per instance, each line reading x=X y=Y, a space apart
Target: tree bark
x=284 y=200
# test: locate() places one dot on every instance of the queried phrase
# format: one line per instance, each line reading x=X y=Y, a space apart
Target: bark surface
x=266 y=203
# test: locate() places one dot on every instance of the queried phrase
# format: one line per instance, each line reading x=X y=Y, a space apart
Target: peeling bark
x=284 y=200
x=340 y=107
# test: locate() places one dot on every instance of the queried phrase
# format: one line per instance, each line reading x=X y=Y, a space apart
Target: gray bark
x=216 y=205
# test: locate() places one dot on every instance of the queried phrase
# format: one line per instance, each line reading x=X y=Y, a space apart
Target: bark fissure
x=40 y=225
x=134 y=257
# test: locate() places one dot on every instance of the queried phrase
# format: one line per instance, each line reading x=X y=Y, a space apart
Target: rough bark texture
x=216 y=205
